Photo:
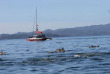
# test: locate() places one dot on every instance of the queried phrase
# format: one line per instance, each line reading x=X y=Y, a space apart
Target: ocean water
x=25 y=57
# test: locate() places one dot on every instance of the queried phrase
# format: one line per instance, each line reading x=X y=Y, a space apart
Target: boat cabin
x=38 y=36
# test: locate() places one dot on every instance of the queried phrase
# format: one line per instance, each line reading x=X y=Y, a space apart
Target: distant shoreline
x=94 y=30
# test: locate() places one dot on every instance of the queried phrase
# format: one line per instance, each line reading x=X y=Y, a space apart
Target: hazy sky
x=19 y=15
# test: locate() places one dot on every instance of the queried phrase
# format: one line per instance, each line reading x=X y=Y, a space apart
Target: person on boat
x=41 y=36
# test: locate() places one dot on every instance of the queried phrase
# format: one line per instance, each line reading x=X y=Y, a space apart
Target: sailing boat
x=39 y=34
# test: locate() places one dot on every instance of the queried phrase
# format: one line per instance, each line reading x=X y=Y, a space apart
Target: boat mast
x=36 y=19
x=37 y=31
